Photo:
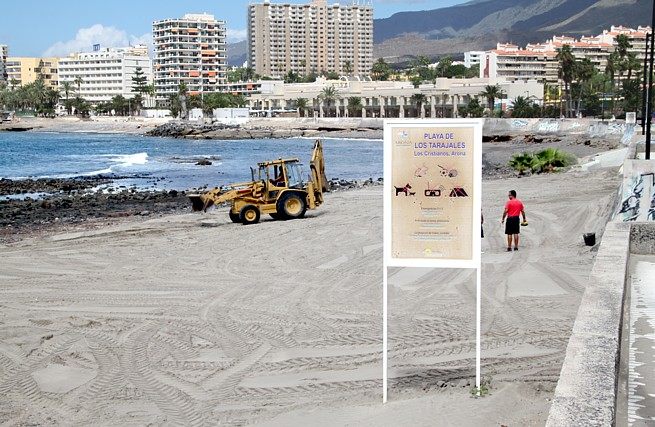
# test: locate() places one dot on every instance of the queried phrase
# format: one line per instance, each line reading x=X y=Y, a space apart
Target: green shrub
x=543 y=161
x=550 y=158
x=522 y=162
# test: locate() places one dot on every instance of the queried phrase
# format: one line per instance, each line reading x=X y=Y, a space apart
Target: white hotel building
x=106 y=72
x=538 y=61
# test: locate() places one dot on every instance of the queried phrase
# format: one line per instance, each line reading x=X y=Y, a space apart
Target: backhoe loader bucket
x=197 y=204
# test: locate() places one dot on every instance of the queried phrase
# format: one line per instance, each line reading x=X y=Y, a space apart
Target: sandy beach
x=189 y=319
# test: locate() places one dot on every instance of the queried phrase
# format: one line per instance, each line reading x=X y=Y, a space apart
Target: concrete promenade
x=641 y=357
x=608 y=375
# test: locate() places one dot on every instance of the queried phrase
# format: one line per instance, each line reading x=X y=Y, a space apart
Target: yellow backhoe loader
x=277 y=188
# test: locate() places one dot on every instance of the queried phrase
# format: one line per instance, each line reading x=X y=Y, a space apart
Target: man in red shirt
x=513 y=210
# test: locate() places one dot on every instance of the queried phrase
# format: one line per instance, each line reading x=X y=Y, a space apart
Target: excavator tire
x=234 y=217
x=291 y=206
x=249 y=215
x=276 y=216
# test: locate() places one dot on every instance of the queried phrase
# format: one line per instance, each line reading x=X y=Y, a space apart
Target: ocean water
x=167 y=163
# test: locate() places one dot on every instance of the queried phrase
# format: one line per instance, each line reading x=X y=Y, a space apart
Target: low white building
x=105 y=73
x=385 y=98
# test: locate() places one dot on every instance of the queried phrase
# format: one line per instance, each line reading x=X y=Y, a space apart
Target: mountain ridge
x=480 y=24
x=483 y=23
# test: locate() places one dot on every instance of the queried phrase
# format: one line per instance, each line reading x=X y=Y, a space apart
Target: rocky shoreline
x=48 y=205
x=187 y=130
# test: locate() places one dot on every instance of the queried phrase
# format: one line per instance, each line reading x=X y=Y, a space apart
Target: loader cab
x=279 y=175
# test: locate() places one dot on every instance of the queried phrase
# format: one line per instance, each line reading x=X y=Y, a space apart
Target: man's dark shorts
x=513 y=225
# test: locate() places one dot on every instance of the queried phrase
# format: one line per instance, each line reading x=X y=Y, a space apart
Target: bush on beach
x=547 y=160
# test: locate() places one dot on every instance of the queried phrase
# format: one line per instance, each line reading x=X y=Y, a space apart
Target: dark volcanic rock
x=185 y=129
x=17 y=216
x=50 y=185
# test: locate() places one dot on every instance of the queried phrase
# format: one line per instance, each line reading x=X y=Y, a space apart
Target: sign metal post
x=432 y=204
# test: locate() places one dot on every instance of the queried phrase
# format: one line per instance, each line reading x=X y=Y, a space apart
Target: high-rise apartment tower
x=189 y=50
x=313 y=37
x=4 y=53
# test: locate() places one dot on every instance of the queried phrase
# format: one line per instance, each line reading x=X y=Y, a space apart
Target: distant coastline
x=253 y=129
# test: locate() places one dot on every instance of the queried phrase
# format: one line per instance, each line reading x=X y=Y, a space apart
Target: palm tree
x=354 y=105
x=51 y=99
x=473 y=108
x=348 y=67
x=120 y=105
x=182 y=92
x=522 y=107
x=248 y=73
x=418 y=99
x=584 y=71
x=66 y=87
x=522 y=162
x=566 y=72
x=137 y=103
x=237 y=101
x=632 y=64
x=610 y=70
x=380 y=70
x=622 y=45
x=174 y=104
x=491 y=93
x=150 y=90
x=36 y=91
x=550 y=158
x=78 y=81
x=329 y=94
x=301 y=105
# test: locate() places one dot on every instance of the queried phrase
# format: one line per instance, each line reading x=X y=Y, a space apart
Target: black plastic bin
x=589 y=239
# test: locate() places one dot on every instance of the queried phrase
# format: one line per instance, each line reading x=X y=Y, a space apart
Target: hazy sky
x=45 y=27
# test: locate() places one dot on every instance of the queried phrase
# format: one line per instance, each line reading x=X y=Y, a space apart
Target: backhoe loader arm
x=201 y=202
x=317 y=165
x=319 y=183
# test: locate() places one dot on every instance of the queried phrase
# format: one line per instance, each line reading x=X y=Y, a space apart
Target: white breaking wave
x=121 y=163
x=127 y=160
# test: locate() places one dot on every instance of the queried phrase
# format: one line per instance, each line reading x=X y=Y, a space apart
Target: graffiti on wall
x=628 y=134
x=640 y=195
x=516 y=123
x=632 y=199
x=548 y=127
x=615 y=128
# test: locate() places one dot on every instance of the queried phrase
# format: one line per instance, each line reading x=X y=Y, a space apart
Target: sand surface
x=189 y=319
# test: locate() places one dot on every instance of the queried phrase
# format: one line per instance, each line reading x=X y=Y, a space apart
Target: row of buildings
x=539 y=62
x=314 y=37
x=304 y=38
x=96 y=76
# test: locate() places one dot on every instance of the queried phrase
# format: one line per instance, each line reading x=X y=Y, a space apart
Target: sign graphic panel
x=433 y=185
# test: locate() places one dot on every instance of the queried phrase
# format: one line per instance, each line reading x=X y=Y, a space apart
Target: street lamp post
x=644 y=97
x=649 y=109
